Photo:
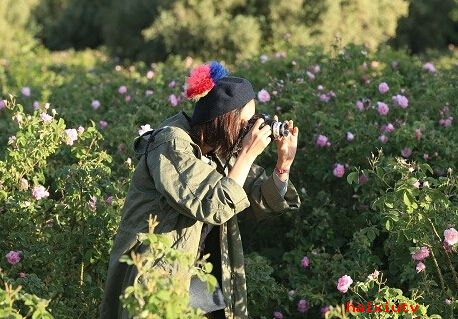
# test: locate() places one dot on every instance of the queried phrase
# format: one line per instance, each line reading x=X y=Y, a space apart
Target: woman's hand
x=287 y=146
x=256 y=140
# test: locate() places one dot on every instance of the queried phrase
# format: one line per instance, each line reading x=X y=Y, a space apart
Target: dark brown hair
x=221 y=133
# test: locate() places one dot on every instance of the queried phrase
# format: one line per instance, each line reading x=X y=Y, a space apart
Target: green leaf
x=352 y=178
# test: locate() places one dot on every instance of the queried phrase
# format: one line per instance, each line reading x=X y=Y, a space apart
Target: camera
x=278 y=128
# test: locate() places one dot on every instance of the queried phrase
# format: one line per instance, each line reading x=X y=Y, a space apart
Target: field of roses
x=376 y=169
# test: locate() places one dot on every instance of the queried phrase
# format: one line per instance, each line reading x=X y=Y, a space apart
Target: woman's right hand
x=256 y=140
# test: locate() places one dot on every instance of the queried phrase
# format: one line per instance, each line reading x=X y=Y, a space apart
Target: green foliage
x=15 y=16
x=374 y=291
x=65 y=244
x=155 y=294
x=430 y=24
x=264 y=293
x=70 y=24
x=13 y=299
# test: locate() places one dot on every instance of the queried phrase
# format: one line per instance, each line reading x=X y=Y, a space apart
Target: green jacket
x=184 y=192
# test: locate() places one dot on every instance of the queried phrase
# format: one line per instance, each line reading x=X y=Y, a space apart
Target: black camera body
x=278 y=128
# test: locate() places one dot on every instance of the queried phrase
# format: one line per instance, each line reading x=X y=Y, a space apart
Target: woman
x=185 y=183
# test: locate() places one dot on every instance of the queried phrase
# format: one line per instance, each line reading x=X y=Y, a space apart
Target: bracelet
x=281 y=171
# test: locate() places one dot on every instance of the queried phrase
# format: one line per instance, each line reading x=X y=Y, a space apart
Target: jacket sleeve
x=193 y=187
x=264 y=196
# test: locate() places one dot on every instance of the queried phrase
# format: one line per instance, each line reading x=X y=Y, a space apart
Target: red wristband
x=281 y=171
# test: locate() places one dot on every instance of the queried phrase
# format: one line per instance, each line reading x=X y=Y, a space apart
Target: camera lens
x=279 y=129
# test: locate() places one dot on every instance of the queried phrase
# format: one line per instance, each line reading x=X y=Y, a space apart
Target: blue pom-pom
x=217 y=71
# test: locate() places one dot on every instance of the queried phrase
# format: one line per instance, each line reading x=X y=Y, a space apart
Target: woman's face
x=247 y=112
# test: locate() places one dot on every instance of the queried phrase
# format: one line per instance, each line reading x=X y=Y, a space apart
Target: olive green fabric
x=184 y=192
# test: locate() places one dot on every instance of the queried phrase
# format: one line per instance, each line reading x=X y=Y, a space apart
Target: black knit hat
x=215 y=92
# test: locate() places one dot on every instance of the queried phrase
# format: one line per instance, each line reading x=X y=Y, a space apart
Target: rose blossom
x=263 y=96
x=322 y=141
x=406 y=152
x=420 y=267
x=339 y=170
x=421 y=254
x=71 y=135
x=382 y=108
x=303 y=306
x=305 y=262
x=344 y=283
x=383 y=87
x=143 y=129
x=39 y=192
x=359 y=105
x=122 y=89
x=400 y=100
x=429 y=67
x=173 y=100
x=25 y=91
x=109 y=200
x=13 y=257
x=95 y=104
x=103 y=124
x=46 y=118
x=451 y=236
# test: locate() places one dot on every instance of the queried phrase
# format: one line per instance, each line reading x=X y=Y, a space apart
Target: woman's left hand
x=287 y=146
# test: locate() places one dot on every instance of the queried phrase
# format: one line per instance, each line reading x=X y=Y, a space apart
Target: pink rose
x=25 y=91
x=421 y=254
x=389 y=128
x=382 y=108
x=122 y=89
x=173 y=100
x=303 y=306
x=429 y=67
x=383 y=139
x=359 y=105
x=278 y=315
x=109 y=200
x=451 y=236
x=400 y=100
x=13 y=257
x=322 y=140
x=71 y=135
x=344 y=283
x=339 y=170
x=420 y=267
x=95 y=104
x=103 y=124
x=305 y=262
x=406 y=152
x=46 y=118
x=383 y=87
x=172 y=84
x=39 y=192
x=263 y=96
x=150 y=74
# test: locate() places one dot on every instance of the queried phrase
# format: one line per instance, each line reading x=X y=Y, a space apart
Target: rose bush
x=66 y=161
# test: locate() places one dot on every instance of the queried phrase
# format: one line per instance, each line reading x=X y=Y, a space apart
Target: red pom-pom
x=199 y=82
